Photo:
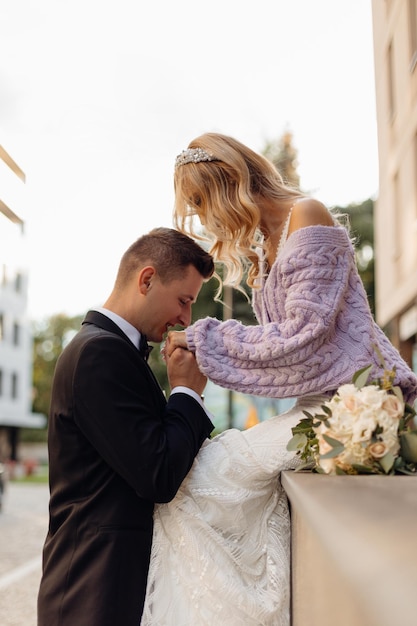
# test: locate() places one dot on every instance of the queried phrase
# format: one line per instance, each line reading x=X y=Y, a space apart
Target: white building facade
x=395 y=54
x=15 y=336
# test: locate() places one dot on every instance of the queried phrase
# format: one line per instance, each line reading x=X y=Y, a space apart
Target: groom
x=116 y=446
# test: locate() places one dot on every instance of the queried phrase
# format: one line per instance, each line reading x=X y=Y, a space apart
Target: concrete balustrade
x=354 y=549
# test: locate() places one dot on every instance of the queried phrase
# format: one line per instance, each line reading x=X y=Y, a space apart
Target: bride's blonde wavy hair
x=224 y=193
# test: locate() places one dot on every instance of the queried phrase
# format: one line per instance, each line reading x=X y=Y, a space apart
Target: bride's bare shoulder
x=309 y=212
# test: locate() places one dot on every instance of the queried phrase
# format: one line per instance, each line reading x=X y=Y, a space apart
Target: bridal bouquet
x=365 y=428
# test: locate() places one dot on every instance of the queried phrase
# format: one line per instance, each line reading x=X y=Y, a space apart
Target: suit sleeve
x=121 y=410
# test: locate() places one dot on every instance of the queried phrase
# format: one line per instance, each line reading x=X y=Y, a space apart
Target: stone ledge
x=354 y=549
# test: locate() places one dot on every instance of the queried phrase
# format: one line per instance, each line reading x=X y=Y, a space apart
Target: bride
x=220 y=551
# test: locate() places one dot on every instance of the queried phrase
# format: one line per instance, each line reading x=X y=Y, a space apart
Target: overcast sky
x=97 y=97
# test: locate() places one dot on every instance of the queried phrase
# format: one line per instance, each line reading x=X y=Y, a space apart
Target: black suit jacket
x=116 y=447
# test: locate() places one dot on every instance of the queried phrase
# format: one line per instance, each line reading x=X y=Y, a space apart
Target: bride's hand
x=175 y=339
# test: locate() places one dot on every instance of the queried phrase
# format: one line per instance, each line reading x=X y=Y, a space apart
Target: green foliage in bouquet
x=365 y=428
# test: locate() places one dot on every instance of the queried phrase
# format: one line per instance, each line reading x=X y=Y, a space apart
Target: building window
x=14 y=386
x=412 y=15
x=16 y=334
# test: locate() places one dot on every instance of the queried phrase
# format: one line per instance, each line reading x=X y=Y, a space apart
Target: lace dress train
x=221 y=548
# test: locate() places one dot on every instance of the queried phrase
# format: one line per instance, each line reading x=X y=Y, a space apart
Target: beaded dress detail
x=221 y=547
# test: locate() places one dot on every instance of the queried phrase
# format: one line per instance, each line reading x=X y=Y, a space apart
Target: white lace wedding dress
x=220 y=551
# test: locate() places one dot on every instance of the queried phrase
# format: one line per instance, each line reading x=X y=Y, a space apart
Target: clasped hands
x=182 y=368
x=175 y=339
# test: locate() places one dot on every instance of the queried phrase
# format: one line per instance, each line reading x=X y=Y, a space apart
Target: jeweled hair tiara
x=193 y=155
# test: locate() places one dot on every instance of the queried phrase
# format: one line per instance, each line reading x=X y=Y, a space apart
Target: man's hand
x=183 y=371
x=175 y=339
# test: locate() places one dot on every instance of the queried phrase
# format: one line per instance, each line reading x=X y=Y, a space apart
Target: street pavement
x=23 y=526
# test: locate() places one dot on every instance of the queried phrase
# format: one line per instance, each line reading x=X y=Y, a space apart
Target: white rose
x=349 y=397
x=363 y=428
x=388 y=424
x=342 y=431
x=372 y=396
x=341 y=421
x=393 y=406
x=392 y=442
x=378 y=450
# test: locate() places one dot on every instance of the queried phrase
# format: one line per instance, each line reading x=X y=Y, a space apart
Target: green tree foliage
x=50 y=336
x=284 y=156
x=361 y=220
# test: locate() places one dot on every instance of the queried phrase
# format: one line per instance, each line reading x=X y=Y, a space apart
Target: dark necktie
x=144 y=347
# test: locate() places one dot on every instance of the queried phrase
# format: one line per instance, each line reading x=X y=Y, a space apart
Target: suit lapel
x=104 y=322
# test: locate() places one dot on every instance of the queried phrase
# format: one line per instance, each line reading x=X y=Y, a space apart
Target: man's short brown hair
x=169 y=252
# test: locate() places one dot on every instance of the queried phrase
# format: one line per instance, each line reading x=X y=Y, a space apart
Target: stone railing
x=354 y=549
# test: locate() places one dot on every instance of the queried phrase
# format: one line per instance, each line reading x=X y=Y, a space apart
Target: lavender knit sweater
x=315 y=326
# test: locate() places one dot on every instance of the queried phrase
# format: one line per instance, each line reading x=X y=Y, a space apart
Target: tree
x=284 y=155
x=361 y=220
x=50 y=336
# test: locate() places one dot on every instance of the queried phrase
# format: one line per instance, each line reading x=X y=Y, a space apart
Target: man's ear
x=145 y=277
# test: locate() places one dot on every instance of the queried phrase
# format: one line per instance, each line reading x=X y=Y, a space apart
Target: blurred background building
x=395 y=222
x=15 y=335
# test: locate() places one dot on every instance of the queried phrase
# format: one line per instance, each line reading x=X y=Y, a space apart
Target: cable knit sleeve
x=309 y=334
